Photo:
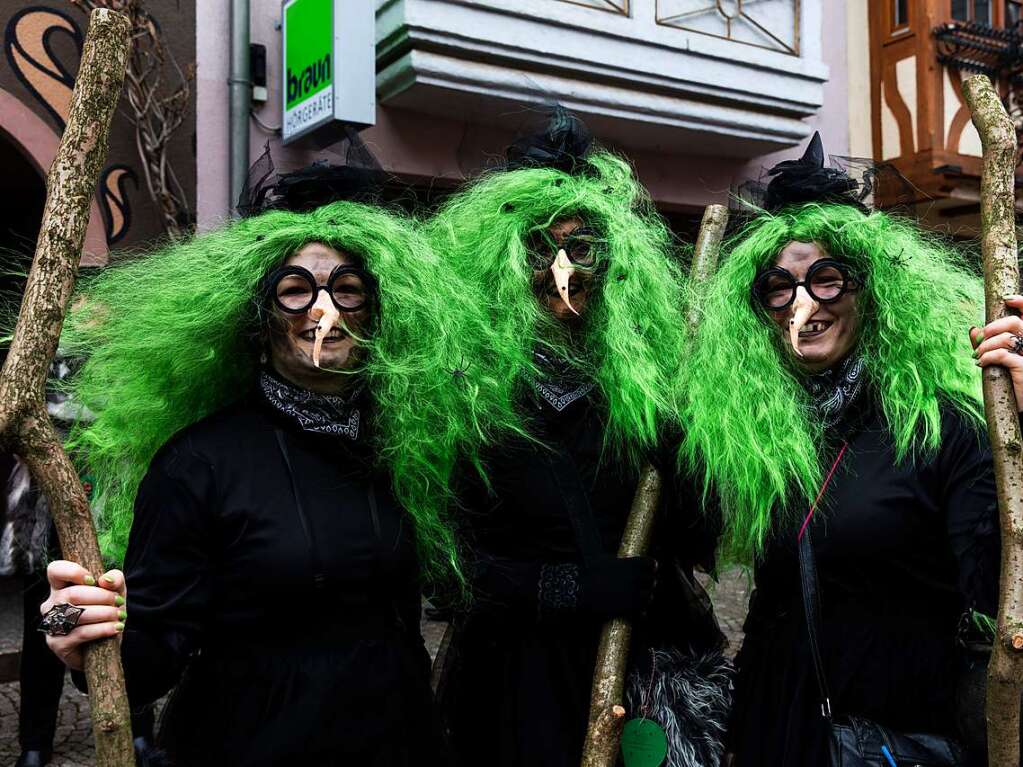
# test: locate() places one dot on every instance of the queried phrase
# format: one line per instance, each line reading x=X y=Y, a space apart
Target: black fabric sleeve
x=505 y=587
x=167 y=571
x=692 y=525
x=971 y=510
x=499 y=586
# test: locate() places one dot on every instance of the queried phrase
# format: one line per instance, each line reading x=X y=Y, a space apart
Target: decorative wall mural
x=114 y=201
x=28 y=45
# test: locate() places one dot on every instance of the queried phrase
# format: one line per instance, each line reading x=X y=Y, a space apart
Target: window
x=772 y=24
x=977 y=11
x=615 y=6
x=1013 y=12
x=900 y=13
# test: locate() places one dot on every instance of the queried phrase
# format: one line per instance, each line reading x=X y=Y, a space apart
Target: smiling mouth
x=333 y=337
x=812 y=329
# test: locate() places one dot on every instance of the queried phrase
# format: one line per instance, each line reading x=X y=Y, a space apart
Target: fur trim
x=25 y=534
x=690 y=697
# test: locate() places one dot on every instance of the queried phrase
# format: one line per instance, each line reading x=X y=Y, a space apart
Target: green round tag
x=644 y=743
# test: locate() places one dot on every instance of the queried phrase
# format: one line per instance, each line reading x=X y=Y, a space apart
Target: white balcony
x=731 y=78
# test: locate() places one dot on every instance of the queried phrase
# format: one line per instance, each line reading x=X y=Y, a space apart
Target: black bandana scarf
x=559 y=386
x=319 y=413
x=834 y=390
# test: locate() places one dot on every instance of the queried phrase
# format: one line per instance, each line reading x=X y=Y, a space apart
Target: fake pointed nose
x=563 y=269
x=327 y=316
x=803 y=308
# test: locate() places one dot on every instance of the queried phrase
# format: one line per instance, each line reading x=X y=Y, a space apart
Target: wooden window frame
x=906 y=26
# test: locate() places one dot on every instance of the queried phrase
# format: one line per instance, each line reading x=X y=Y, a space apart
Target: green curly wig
x=172 y=337
x=748 y=431
x=633 y=332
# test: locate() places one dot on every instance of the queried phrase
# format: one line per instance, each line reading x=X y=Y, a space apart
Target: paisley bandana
x=319 y=413
x=833 y=391
x=560 y=386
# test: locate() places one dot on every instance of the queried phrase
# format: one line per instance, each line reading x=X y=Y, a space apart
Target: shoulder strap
x=811 y=591
x=811 y=606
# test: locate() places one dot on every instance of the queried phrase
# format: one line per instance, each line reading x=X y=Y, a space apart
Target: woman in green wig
x=275 y=427
x=566 y=253
x=835 y=412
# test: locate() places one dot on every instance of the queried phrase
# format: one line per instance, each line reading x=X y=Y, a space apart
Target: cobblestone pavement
x=73 y=743
x=10 y=614
x=72 y=746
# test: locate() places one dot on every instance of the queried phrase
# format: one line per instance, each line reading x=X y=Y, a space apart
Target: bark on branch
x=25 y=427
x=1001 y=278
x=607 y=715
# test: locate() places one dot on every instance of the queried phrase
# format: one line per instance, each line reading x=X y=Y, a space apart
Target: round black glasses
x=580 y=245
x=294 y=288
x=826 y=281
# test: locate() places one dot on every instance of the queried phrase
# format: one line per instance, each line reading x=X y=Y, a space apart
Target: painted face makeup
x=321 y=303
x=563 y=260
x=811 y=297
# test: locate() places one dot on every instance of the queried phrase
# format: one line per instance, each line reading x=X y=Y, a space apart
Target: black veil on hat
x=562 y=144
x=360 y=179
x=858 y=182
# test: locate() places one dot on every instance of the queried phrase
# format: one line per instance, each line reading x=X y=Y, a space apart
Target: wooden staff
x=607 y=715
x=25 y=427
x=1001 y=278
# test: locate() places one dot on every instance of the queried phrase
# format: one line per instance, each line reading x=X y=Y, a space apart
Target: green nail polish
x=89 y=580
x=976 y=353
x=118 y=600
x=123 y=615
x=119 y=626
x=108 y=579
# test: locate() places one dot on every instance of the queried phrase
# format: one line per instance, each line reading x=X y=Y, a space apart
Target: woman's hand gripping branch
x=102 y=601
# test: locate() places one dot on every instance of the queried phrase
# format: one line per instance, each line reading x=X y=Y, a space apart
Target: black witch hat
x=562 y=144
x=360 y=179
x=845 y=181
x=808 y=179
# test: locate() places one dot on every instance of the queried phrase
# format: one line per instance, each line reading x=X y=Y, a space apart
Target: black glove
x=607 y=588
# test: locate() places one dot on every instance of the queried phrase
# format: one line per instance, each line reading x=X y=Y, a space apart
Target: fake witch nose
x=563 y=269
x=327 y=316
x=803 y=308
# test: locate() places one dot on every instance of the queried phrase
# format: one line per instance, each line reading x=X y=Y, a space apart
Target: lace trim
x=319 y=413
x=559 y=388
x=559 y=396
x=558 y=589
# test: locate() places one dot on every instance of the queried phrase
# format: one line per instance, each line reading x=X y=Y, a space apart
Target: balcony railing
x=992 y=51
x=979 y=48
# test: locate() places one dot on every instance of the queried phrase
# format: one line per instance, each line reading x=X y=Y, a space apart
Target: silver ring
x=60 y=620
x=1017 y=345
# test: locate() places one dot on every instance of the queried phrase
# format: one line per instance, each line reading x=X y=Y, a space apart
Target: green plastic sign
x=644 y=743
x=309 y=26
x=328 y=66
x=309 y=65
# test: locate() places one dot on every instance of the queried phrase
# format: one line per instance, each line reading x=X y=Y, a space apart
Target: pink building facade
x=699 y=94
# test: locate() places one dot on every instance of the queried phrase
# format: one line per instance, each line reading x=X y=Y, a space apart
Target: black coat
x=903 y=550
x=288 y=601
x=516 y=688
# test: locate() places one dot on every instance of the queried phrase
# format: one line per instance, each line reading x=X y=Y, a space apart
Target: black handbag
x=858 y=742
